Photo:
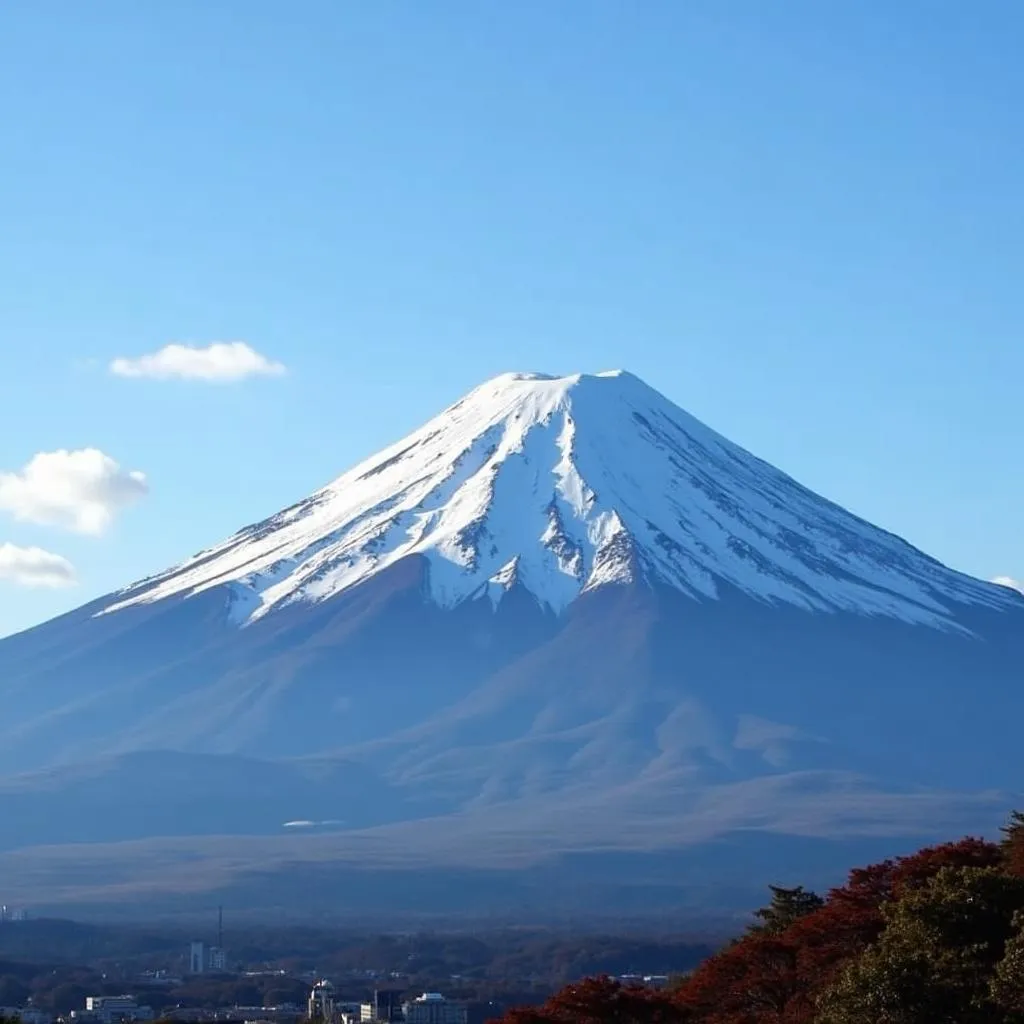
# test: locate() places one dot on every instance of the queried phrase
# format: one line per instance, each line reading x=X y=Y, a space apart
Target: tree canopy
x=786 y=908
x=933 y=938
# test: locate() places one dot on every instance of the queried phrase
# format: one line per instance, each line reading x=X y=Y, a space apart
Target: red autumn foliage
x=756 y=980
x=751 y=983
x=603 y=1001
x=768 y=979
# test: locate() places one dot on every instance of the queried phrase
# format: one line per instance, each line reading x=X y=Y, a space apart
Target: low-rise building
x=386 y=1006
x=433 y=1008
x=284 y=1013
x=113 y=1009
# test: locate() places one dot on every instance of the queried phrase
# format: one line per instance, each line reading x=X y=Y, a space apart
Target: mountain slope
x=561 y=617
x=565 y=484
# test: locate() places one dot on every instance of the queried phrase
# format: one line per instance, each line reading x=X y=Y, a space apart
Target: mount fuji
x=563 y=620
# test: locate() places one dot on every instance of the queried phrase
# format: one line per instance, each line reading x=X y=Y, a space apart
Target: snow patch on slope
x=563 y=485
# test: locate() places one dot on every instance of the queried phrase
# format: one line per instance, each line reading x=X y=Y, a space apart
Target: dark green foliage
x=935 y=962
x=1013 y=826
x=1007 y=985
x=787 y=907
x=1013 y=843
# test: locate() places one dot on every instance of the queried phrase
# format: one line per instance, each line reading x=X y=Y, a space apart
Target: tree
x=786 y=908
x=937 y=956
x=603 y=1001
x=933 y=938
x=1007 y=986
x=756 y=979
x=780 y=978
x=1012 y=845
x=886 y=985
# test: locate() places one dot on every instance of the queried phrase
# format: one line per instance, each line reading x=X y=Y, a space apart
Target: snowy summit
x=561 y=485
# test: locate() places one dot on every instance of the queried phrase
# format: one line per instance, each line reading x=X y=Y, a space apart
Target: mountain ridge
x=507 y=648
x=563 y=484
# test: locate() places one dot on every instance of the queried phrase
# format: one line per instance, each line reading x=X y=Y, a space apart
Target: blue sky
x=803 y=222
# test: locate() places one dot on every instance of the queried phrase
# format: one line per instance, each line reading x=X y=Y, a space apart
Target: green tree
x=786 y=907
x=1007 y=988
x=937 y=958
x=1012 y=844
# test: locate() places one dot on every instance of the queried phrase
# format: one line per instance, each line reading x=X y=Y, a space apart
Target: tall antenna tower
x=220 y=927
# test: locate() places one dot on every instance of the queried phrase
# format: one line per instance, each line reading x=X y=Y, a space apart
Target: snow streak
x=561 y=485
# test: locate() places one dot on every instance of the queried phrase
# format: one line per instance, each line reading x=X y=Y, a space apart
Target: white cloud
x=1007 y=581
x=81 y=490
x=34 y=567
x=222 y=361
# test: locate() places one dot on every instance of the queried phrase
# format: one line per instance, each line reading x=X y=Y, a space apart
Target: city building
x=321 y=1002
x=433 y=1008
x=203 y=958
x=348 y=1013
x=112 y=1009
x=386 y=1006
x=285 y=1013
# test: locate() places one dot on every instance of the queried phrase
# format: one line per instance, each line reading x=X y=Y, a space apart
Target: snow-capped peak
x=562 y=485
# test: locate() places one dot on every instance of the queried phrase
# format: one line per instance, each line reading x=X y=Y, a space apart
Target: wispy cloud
x=34 y=567
x=221 y=362
x=78 y=490
x=1007 y=581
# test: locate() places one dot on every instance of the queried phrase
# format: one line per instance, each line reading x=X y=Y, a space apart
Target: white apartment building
x=433 y=1008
